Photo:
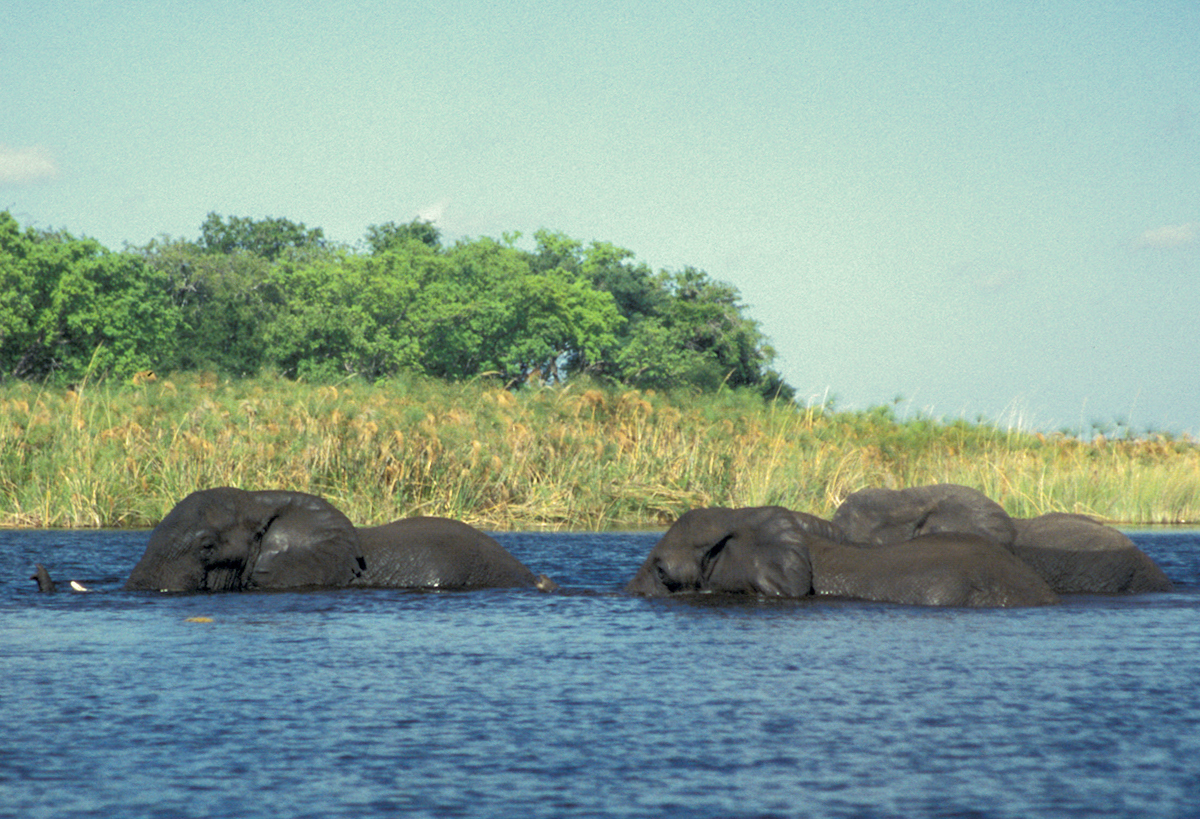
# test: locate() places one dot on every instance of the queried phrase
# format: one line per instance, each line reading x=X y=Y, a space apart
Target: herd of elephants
x=938 y=545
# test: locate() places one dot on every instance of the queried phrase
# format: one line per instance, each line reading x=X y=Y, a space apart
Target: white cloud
x=21 y=165
x=1170 y=236
x=433 y=213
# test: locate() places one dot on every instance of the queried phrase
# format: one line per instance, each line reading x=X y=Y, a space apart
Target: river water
x=588 y=702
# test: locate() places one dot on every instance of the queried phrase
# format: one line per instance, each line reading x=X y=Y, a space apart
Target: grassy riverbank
x=580 y=457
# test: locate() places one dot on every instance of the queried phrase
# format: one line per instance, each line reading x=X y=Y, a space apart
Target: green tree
x=472 y=319
x=269 y=238
x=225 y=303
x=386 y=236
x=565 y=325
x=353 y=315
x=71 y=308
x=708 y=318
x=531 y=321
x=679 y=329
x=633 y=286
x=609 y=268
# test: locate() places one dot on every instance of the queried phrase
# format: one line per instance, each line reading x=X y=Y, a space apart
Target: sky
x=963 y=209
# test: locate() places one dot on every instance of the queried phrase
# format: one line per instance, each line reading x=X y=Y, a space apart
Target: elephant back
x=1077 y=553
x=440 y=553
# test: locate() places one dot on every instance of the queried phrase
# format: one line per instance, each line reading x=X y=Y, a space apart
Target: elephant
x=1077 y=553
x=774 y=552
x=885 y=516
x=228 y=539
x=1073 y=553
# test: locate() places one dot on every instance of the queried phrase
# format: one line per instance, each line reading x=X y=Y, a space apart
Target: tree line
x=250 y=295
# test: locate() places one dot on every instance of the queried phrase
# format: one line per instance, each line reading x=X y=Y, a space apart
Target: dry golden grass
x=579 y=457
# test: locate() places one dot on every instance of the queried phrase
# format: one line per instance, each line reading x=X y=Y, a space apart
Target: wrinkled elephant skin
x=1076 y=553
x=228 y=539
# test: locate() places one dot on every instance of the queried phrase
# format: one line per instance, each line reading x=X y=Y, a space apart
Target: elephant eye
x=664 y=578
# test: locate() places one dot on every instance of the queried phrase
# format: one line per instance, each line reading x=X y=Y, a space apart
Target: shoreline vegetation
x=581 y=456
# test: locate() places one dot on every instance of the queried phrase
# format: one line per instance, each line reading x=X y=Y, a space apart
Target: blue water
x=586 y=703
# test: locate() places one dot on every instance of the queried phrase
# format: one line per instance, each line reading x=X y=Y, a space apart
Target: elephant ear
x=228 y=539
x=765 y=553
x=303 y=541
x=755 y=550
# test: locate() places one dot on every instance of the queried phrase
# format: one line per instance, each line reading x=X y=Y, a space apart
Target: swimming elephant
x=1077 y=553
x=228 y=539
x=775 y=552
x=1073 y=553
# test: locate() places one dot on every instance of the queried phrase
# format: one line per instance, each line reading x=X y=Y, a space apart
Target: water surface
x=586 y=703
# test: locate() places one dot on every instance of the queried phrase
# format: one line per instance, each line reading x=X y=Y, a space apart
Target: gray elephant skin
x=1072 y=553
x=228 y=539
x=772 y=551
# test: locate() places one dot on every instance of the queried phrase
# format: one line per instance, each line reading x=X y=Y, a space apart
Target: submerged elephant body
x=431 y=552
x=228 y=539
x=1072 y=553
x=1076 y=553
x=939 y=569
x=772 y=551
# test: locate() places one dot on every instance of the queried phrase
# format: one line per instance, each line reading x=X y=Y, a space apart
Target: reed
x=574 y=457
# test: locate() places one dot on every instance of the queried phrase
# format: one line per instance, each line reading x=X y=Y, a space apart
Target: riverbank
x=576 y=457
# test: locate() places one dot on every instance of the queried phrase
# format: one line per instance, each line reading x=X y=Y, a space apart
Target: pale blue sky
x=985 y=208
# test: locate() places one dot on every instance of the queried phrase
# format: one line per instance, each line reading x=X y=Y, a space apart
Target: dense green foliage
x=69 y=307
x=271 y=294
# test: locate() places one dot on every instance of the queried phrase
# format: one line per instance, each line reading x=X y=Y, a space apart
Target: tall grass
x=578 y=457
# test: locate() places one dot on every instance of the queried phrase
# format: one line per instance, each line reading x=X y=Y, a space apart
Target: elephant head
x=228 y=539
x=757 y=550
x=881 y=516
